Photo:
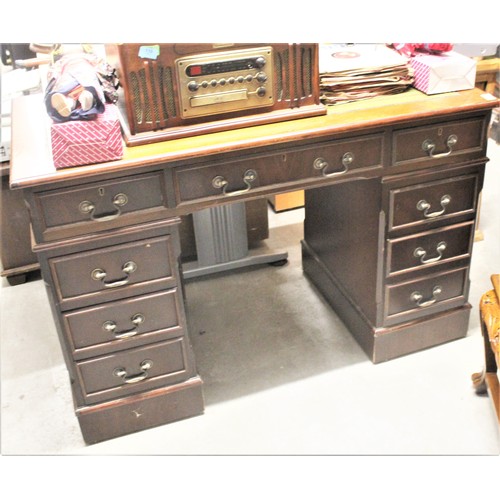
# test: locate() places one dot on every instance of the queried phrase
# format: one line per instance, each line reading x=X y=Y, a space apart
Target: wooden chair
x=489 y=310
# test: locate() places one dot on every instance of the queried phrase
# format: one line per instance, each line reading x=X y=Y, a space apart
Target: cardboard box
x=86 y=142
x=449 y=72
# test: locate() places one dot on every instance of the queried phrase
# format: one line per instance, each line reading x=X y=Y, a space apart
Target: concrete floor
x=292 y=381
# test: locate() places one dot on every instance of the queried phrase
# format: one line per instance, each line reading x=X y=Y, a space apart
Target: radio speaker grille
x=294 y=73
x=153 y=95
x=306 y=73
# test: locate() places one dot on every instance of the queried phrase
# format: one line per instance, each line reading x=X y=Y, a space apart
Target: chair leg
x=479 y=379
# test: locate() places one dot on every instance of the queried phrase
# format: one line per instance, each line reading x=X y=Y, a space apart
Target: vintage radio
x=180 y=90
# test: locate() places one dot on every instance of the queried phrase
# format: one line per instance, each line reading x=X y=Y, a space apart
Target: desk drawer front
x=124 y=324
x=113 y=272
x=326 y=160
x=439 y=292
x=430 y=248
x=447 y=141
x=135 y=370
x=337 y=158
x=431 y=201
x=95 y=205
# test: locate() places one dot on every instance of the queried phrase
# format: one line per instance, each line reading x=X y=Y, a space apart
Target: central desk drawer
x=446 y=140
x=114 y=272
x=98 y=206
x=418 y=204
x=124 y=324
x=326 y=160
x=412 y=299
x=430 y=248
x=135 y=370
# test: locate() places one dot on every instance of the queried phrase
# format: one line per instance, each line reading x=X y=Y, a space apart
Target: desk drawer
x=124 y=324
x=437 y=200
x=430 y=248
x=436 y=293
x=113 y=272
x=448 y=141
x=98 y=206
x=135 y=370
x=326 y=160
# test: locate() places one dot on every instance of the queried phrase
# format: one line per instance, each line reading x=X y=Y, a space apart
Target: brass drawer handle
x=417 y=297
x=100 y=274
x=220 y=183
x=420 y=253
x=87 y=207
x=429 y=146
x=137 y=320
x=424 y=206
x=145 y=366
x=322 y=164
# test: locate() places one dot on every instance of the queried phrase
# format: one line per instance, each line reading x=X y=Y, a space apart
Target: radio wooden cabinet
x=184 y=89
x=392 y=188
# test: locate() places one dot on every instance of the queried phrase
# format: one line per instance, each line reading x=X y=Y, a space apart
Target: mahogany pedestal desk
x=392 y=186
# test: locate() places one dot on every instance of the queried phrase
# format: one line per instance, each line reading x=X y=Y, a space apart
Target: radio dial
x=261 y=77
x=260 y=62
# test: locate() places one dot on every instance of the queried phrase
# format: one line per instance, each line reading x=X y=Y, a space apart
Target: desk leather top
x=32 y=165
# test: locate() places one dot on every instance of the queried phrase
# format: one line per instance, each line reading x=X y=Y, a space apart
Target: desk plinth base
x=142 y=411
x=385 y=343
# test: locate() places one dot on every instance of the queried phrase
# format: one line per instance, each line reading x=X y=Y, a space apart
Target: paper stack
x=352 y=72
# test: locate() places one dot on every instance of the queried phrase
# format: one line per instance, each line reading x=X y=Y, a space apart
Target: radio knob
x=193 y=86
x=240 y=79
x=261 y=77
x=213 y=83
x=231 y=80
x=222 y=81
x=261 y=91
x=249 y=78
x=260 y=62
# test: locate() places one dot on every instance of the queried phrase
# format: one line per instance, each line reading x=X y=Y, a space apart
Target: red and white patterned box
x=448 y=72
x=84 y=142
